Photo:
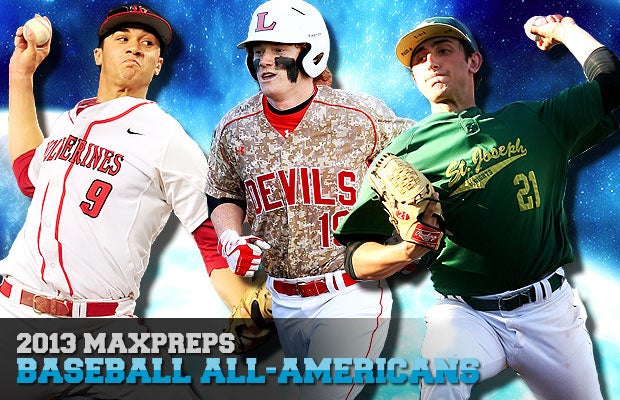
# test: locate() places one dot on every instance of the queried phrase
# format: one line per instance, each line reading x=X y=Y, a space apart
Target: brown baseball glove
x=251 y=321
x=405 y=193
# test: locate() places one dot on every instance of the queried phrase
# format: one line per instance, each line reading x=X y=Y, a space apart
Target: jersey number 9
x=96 y=196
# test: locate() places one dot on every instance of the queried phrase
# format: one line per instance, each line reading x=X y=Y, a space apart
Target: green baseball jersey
x=501 y=178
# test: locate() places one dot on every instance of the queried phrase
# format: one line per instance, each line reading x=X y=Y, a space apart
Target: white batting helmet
x=290 y=22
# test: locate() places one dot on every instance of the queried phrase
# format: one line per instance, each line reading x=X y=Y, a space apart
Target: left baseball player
x=103 y=183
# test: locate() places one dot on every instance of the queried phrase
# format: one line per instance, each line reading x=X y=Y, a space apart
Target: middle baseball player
x=292 y=157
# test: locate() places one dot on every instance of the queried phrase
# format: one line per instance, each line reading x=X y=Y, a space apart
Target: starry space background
x=204 y=75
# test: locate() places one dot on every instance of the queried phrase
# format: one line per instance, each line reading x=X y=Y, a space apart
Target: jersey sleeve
x=183 y=172
x=207 y=241
x=388 y=125
x=603 y=129
x=223 y=181
x=20 y=170
x=576 y=117
x=58 y=128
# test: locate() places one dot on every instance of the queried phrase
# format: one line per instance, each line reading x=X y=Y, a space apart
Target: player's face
x=441 y=70
x=129 y=58
x=276 y=69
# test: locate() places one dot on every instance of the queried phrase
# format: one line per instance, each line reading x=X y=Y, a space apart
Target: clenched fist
x=242 y=253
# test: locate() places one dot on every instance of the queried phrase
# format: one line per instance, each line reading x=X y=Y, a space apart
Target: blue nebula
x=205 y=75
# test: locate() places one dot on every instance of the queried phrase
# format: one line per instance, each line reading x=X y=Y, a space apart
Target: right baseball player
x=501 y=177
x=292 y=157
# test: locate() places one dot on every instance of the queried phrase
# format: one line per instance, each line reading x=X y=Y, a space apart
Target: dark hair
x=469 y=51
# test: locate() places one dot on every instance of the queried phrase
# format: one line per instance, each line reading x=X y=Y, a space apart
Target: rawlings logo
x=428 y=237
x=400 y=214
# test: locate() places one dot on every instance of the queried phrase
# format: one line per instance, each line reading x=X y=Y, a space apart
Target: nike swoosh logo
x=133 y=133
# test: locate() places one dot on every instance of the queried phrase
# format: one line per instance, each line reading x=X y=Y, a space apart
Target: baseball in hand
x=41 y=28
x=534 y=21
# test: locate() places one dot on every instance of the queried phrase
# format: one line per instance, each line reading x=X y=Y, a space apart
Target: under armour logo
x=240 y=150
x=260 y=23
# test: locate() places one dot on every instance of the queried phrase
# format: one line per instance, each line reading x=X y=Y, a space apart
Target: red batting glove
x=242 y=253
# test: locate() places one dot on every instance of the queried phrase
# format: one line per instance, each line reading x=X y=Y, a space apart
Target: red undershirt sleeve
x=206 y=239
x=20 y=170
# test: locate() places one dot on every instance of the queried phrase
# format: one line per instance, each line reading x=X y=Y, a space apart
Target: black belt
x=515 y=300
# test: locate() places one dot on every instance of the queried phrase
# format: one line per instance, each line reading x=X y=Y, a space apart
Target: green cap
x=430 y=28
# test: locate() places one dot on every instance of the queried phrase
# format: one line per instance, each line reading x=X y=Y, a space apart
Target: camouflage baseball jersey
x=299 y=186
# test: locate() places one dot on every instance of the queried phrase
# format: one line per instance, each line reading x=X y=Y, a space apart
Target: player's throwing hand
x=242 y=253
x=543 y=29
x=27 y=55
